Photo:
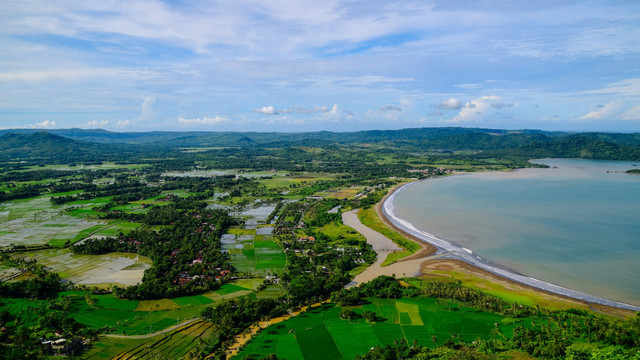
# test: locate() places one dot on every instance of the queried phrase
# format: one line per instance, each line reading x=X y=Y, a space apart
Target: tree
x=73 y=347
x=370 y=316
x=348 y=314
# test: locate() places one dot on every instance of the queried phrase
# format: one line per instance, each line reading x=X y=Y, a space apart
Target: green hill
x=485 y=143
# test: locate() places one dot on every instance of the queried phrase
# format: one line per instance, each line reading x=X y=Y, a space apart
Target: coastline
x=451 y=252
x=426 y=249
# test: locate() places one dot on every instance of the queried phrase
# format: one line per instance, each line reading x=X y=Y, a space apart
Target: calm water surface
x=576 y=224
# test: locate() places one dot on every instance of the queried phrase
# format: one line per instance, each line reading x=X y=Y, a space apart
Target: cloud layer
x=301 y=65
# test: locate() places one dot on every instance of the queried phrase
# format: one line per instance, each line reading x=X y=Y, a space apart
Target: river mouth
x=571 y=226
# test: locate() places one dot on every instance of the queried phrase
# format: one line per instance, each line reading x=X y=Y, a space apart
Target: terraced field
x=175 y=344
x=320 y=334
x=133 y=317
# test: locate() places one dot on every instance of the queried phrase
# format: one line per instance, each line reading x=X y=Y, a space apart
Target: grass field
x=529 y=297
x=339 y=232
x=348 y=193
x=321 y=334
x=284 y=182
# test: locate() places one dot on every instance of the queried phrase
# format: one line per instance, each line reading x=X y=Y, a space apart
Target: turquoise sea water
x=576 y=224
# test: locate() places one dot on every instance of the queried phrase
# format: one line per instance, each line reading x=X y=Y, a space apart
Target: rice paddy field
x=320 y=334
x=114 y=268
x=175 y=344
x=36 y=221
x=253 y=251
x=133 y=317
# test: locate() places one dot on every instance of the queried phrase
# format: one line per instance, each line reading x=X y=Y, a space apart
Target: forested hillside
x=91 y=145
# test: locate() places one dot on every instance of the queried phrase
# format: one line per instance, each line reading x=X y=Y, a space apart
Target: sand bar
x=383 y=246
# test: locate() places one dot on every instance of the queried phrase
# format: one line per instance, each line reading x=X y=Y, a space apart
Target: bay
x=575 y=224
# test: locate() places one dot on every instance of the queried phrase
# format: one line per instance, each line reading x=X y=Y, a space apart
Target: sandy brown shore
x=428 y=265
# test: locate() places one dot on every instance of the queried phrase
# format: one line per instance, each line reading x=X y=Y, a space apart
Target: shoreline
x=426 y=249
x=432 y=245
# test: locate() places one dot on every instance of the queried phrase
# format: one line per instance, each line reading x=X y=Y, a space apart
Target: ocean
x=575 y=224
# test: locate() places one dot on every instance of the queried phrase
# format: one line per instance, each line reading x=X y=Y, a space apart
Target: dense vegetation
x=263 y=151
x=38 y=283
x=186 y=256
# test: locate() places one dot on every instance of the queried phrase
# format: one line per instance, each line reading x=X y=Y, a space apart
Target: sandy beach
x=450 y=253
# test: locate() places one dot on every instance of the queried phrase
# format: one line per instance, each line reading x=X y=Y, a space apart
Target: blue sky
x=276 y=65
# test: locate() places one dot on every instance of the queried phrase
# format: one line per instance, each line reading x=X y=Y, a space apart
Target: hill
x=46 y=146
x=62 y=144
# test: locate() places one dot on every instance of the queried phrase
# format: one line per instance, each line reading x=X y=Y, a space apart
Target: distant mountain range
x=47 y=146
x=81 y=144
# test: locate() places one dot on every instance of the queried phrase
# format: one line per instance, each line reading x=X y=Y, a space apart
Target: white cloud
x=475 y=109
x=387 y=112
x=324 y=112
x=627 y=87
x=98 y=123
x=302 y=110
x=390 y=108
x=451 y=103
x=146 y=113
x=631 y=114
x=333 y=114
x=78 y=74
x=204 y=121
x=368 y=80
x=47 y=124
x=504 y=105
x=604 y=111
x=267 y=110
x=467 y=86
x=334 y=111
x=551 y=118
x=147 y=109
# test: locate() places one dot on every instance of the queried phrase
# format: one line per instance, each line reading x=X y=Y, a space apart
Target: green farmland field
x=321 y=334
x=174 y=344
x=127 y=317
x=261 y=257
